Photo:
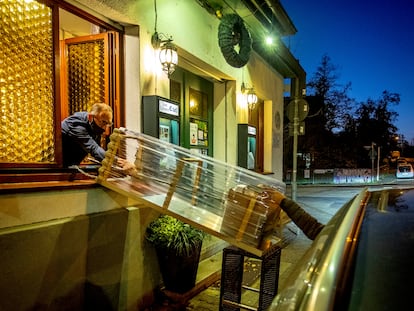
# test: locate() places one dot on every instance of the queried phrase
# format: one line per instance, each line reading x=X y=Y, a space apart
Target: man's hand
x=127 y=167
x=276 y=196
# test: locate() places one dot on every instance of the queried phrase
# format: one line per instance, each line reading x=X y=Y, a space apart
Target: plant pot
x=179 y=272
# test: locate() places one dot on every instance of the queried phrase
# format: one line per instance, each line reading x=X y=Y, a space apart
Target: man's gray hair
x=99 y=107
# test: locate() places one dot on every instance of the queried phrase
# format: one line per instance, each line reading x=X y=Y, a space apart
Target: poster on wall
x=193 y=134
x=165 y=133
x=251 y=153
x=202 y=133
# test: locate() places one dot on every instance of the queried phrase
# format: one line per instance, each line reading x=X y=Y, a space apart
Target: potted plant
x=178 y=247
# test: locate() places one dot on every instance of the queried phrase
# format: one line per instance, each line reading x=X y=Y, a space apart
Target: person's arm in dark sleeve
x=82 y=137
x=309 y=225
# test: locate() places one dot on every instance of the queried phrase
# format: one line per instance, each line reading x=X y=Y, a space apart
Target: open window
x=57 y=60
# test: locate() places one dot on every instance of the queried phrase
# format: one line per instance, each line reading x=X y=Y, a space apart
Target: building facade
x=59 y=57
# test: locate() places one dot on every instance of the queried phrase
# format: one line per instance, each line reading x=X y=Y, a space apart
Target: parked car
x=405 y=170
x=361 y=260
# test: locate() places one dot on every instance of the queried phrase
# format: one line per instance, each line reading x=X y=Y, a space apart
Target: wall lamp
x=250 y=95
x=168 y=52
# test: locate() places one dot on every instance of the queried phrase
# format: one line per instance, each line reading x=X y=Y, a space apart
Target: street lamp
x=373 y=156
x=400 y=141
x=168 y=52
x=250 y=95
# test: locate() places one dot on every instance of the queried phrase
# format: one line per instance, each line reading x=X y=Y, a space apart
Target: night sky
x=370 y=42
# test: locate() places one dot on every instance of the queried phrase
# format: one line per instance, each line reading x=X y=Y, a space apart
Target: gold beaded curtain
x=26 y=83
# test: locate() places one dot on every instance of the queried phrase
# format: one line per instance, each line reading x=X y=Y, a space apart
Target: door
x=256 y=119
x=196 y=96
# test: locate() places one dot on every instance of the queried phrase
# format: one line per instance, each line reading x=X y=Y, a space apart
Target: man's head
x=101 y=114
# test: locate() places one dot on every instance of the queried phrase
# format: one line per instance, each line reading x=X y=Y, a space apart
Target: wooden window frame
x=27 y=175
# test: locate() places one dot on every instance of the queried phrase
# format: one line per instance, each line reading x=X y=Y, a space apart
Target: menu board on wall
x=164 y=133
x=193 y=134
x=198 y=133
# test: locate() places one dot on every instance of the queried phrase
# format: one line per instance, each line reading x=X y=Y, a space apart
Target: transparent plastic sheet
x=223 y=200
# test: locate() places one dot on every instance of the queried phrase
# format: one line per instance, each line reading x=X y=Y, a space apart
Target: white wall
x=132 y=79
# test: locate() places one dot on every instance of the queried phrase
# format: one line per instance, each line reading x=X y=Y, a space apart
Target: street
x=324 y=201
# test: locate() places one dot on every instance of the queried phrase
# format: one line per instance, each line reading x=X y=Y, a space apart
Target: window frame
x=22 y=175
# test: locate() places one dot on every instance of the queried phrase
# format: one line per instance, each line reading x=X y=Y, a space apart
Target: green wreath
x=231 y=32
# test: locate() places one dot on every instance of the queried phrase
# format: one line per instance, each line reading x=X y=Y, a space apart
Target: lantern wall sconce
x=250 y=95
x=168 y=52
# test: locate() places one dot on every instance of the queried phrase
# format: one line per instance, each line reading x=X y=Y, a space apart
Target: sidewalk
x=206 y=295
x=209 y=298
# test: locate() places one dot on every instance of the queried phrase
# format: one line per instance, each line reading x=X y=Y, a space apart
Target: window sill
x=17 y=180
